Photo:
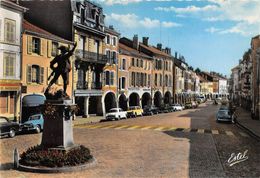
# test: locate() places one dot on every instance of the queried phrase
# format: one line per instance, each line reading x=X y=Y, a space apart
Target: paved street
x=188 y=143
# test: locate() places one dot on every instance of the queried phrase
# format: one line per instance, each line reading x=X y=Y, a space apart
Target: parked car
x=8 y=127
x=34 y=123
x=147 y=111
x=177 y=107
x=188 y=105
x=116 y=113
x=224 y=114
x=134 y=111
x=152 y=109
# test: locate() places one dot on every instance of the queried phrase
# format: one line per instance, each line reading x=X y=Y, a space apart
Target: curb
x=88 y=165
x=249 y=131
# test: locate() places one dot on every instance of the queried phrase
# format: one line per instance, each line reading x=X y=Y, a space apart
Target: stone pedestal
x=57 y=130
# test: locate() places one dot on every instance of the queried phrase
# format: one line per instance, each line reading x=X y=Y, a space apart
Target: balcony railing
x=82 y=85
x=91 y=56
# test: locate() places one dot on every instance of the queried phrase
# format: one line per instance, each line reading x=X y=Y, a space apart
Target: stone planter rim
x=91 y=163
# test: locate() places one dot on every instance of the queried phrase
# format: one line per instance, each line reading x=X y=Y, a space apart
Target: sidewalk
x=92 y=119
x=244 y=120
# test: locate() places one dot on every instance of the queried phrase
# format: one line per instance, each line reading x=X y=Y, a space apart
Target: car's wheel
x=37 y=129
x=11 y=133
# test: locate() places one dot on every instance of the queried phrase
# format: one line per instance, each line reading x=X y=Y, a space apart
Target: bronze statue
x=63 y=67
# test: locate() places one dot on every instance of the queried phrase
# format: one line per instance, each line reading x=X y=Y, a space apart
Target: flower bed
x=38 y=156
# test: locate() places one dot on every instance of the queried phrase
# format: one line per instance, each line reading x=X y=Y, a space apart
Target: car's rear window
x=35 y=117
x=113 y=110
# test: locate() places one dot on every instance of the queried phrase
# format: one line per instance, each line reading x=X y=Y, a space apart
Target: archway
x=110 y=101
x=134 y=99
x=167 y=98
x=157 y=99
x=146 y=99
x=123 y=102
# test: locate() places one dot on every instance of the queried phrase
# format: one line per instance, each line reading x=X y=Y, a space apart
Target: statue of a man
x=63 y=67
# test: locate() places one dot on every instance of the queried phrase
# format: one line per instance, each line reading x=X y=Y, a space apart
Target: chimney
x=159 y=46
x=176 y=55
x=135 y=42
x=145 y=41
x=168 y=50
x=111 y=27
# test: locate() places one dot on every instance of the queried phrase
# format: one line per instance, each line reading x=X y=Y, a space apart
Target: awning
x=33 y=100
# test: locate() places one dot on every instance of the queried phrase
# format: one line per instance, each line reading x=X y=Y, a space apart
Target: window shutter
x=42 y=47
x=29 y=74
x=111 y=78
x=41 y=75
x=49 y=48
x=29 y=45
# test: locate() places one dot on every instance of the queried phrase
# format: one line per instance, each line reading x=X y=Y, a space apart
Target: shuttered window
x=54 y=50
x=111 y=78
x=10 y=31
x=35 y=74
x=9 y=64
x=107 y=77
x=36 y=45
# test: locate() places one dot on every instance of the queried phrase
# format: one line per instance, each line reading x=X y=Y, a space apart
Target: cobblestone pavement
x=188 y=143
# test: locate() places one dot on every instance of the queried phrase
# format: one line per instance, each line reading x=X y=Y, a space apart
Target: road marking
x=147 y=127
x=215 y=132
x=96 y=126
x=121 y=127
x=109 y=126
x=200 y=131
x=243 y=134
x=134 y=127
x=229 y=133
x=159 y=128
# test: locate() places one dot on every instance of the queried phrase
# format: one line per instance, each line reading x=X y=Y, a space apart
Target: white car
x=177 y=107
x=116 y=113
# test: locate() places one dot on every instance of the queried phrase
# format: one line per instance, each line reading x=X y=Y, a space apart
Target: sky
x=211 y=34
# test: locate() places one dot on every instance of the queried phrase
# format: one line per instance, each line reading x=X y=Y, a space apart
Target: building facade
x=139 y=67
x=11 y=17
x=255 y=55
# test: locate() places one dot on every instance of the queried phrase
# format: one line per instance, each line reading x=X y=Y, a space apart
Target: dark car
x=8 y=127
x=224 y=114
x=150 y=110
x=166 y=109
x=147 y=111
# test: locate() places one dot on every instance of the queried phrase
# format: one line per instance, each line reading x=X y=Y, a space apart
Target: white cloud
x=212 y=30
x=127 y=20
x=149 y=23
x=133 y=21
x=170 y=24
x=123 y=2
x=244 y=13
x=188 y=9
x=243 y=29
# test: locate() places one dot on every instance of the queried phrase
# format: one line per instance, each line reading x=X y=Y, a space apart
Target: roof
x=111 y=31
x=29 y=28
x=154 y=50
x=178 y=64
x=131 y=51
x=13 y=5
